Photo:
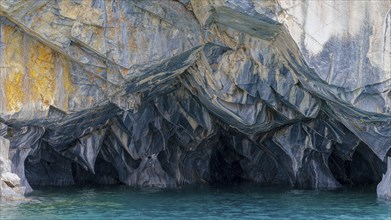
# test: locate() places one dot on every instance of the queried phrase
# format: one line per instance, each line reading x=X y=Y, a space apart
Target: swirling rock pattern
x=165 y=93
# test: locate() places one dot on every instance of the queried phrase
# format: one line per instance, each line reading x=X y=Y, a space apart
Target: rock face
x=166 y=93
x=384 y=187
x=9 y=182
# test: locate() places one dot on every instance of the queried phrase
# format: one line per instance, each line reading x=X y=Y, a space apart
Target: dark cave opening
x=364 y=168
x=219 y=160
x=215 y=162
x=49 y=168
x=225 y=165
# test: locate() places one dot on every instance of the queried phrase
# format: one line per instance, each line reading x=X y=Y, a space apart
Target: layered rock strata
x=166 y=93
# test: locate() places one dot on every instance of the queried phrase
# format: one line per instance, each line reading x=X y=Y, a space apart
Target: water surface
x=206 y=202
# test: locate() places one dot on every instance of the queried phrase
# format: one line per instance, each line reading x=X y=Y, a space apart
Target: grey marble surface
x=166 y=93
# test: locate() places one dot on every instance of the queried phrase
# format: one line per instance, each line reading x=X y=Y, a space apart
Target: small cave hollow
x=49 y=168
x=363 y=169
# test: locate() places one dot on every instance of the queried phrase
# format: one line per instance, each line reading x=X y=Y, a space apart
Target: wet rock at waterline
x=167 y=93
x=384 y=187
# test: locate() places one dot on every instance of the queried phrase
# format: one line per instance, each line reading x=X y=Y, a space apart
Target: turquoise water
x=235 y=202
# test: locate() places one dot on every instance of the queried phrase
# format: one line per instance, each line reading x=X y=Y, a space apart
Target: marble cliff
x=165 y=93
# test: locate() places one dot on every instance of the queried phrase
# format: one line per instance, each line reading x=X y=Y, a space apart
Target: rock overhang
x=240 y=72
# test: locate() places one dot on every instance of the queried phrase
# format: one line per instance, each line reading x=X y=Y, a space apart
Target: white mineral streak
x=313 y=23
x=9 y=182
x=384 y=187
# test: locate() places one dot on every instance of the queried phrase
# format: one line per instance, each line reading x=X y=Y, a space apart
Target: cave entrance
x=224 y=165
x=364 y=169
x=49 y=168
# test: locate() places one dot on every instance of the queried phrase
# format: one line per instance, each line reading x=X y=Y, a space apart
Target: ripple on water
x=205 y=202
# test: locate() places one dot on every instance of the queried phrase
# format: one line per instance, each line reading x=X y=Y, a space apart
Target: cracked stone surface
x=165 y=93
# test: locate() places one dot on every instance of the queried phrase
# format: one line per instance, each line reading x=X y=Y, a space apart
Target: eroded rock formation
x=166 y=93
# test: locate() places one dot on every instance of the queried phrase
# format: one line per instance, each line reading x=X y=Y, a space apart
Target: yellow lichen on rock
x=67 y=82
x=32 y=73
x=69 y=9
x=13 y=91
x=41 y=72
x=13 y=55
